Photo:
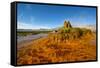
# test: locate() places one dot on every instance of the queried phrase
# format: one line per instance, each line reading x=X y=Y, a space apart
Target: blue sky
x=33 y=16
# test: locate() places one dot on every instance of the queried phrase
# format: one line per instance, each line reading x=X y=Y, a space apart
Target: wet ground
x=23 y=40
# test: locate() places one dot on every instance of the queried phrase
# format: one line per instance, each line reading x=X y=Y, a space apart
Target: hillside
x=67 y=44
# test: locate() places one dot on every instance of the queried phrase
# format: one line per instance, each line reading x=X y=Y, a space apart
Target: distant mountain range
x=33 y=30
x=91 y=27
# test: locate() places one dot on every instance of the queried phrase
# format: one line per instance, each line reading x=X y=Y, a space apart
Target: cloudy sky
x=33 y=16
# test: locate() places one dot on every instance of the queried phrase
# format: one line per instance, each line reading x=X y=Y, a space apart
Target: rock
x=67 y=24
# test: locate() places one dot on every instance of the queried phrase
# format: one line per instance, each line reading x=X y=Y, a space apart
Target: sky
x=33 y=16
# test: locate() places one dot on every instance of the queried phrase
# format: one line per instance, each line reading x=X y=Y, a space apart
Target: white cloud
x=22 y=25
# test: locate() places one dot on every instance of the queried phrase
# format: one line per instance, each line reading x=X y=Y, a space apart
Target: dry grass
x=53 y=49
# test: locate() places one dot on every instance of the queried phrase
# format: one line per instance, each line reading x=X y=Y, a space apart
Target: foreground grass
x=54 y=49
